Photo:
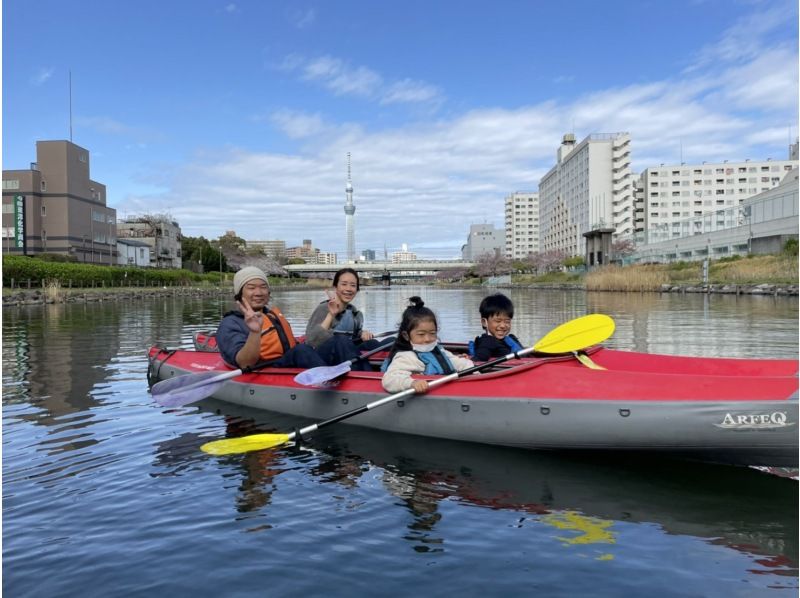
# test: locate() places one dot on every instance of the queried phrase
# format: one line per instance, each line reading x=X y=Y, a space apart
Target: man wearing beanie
x=257 y=334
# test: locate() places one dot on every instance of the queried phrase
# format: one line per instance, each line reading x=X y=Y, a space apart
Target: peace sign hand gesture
x=253 y=319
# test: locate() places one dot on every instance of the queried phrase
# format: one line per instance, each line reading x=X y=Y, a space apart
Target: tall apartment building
x=521 y=224
x=589 y=188
x=55 y=207
x=306 y=251
x=483 y=239
x=326 y=257
x=160 y=233
x=672 y=195
x=404 y=255
x=275 y=249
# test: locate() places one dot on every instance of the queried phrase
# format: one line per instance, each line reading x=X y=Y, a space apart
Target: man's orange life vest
x=276 y=335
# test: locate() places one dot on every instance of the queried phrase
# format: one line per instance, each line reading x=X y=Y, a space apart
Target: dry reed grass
x=630 y=278
x=52 y=290
x=756 y=270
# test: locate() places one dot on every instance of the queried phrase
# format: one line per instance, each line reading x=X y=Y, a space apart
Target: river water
x=107 y=494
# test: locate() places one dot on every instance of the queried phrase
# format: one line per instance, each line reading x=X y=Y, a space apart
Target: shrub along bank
x=26 y=272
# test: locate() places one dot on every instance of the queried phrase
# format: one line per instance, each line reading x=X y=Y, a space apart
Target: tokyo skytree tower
x=349 y=210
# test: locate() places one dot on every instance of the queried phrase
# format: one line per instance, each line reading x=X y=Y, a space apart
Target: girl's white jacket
x=405 y=363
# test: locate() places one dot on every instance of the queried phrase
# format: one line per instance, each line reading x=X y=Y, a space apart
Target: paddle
x=324 y=373
x=572 y=336
x=587 y=361
x=190 y=388
x=182 y=390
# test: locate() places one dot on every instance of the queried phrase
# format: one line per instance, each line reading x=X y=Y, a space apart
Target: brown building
x=54 y=207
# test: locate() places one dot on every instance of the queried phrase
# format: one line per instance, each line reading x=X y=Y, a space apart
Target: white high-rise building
x=404 y=255
x=521 y=224
x=675 y=194
x=589 y=188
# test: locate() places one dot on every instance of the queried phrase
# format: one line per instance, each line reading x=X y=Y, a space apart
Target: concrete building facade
x=55 y=207
x=162 y=234
x=590 y=187
x=275 y=249
x=404 y=255
x=483 y=239
x=521 y=224
x=131 y=252
x=680 y=195
x=306 y=251
x=761 y=224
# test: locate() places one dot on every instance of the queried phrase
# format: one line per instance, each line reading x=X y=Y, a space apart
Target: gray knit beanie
x=243 y=276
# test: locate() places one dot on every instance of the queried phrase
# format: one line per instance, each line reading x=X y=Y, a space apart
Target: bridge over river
x=415 y=269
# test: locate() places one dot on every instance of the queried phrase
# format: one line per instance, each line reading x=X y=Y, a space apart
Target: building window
x=8 y=208
x=44 y=185
x=11 y=184
x=44 y=211
x=82 y=157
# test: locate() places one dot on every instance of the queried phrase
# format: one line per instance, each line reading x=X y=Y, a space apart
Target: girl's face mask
x=427 y=347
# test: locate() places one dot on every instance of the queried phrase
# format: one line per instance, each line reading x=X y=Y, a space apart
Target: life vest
x=436 y=362
x=276 y=335
x=346 y=324
x=513 y=343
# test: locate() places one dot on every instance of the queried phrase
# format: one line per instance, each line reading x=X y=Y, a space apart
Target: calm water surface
x=107 y=494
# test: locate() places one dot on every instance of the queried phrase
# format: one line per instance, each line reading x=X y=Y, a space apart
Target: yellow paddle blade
x=587 y=361
x=254 y=442
x=577 y=334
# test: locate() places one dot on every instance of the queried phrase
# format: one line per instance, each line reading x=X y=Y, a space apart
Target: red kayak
x=741 y=411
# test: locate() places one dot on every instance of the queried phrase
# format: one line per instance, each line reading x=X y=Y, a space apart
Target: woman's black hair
x=346 y=271
x=415 y=313
x=497 y=304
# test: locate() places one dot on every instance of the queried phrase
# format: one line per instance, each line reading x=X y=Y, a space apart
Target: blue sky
x=238 y=115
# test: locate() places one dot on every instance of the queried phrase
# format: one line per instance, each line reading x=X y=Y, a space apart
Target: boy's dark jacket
x=487 y=347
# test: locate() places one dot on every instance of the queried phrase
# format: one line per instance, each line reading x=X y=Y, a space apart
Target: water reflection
x=584 y=504
x=100 y=485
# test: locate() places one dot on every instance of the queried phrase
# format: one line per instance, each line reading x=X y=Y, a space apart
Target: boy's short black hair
x=496 y=304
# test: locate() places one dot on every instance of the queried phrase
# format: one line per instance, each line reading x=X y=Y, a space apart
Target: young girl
x=417 y=351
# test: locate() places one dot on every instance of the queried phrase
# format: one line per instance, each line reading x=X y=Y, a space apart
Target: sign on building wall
x=19 y=221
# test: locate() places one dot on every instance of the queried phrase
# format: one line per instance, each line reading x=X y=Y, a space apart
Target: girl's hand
x=253 y=319
x=420 y=386
x=366 y=335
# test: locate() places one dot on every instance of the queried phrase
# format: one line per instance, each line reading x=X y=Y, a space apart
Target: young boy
x=497 y=341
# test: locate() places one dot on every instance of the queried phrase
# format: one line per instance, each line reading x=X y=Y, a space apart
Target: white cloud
x=341 y=78
x=42 y=76
x=302 y=18
x=744 y=39
x=297 y=125
x=408 y=91
x=344 y=79
x=425 y=183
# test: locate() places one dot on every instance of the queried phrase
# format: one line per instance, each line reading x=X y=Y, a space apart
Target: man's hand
x=253 y=319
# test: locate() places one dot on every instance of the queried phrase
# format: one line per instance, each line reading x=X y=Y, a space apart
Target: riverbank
x=20 y=297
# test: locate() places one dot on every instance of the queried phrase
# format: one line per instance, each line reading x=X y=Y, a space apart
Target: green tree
x=574 y=261
x=198 y=250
